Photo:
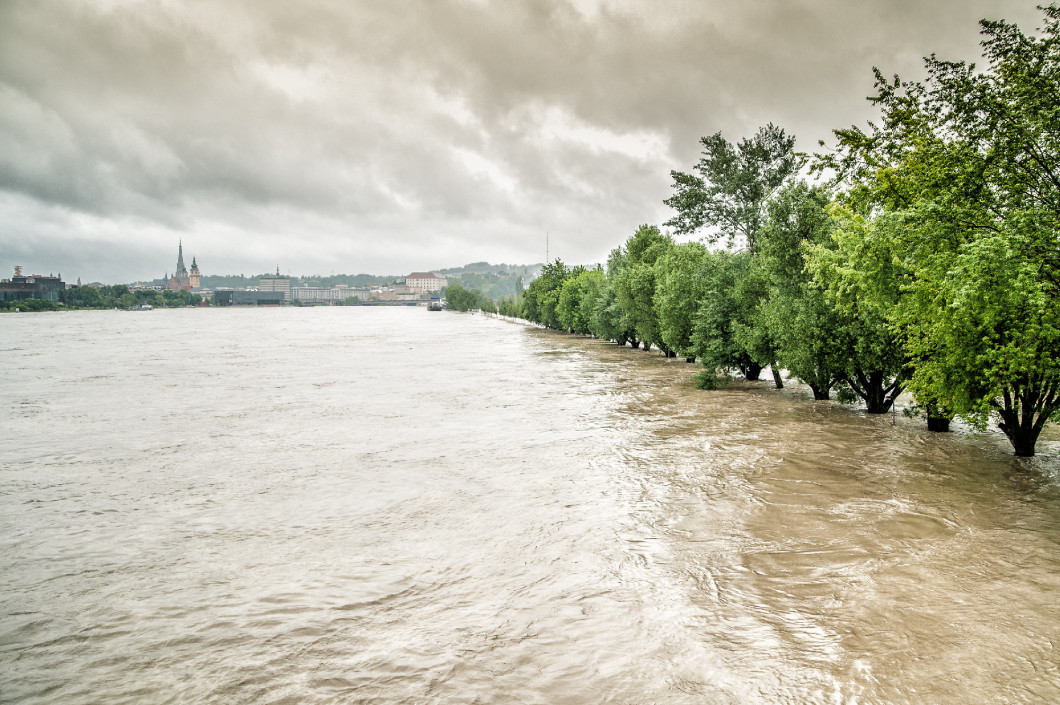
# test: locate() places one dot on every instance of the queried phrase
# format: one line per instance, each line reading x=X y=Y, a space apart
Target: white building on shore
x=320 y=295
x=422 y=282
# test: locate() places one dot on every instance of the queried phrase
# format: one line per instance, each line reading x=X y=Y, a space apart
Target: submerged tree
x=679 y=290
x=862 y=278
x=541 y=298
x=610 y=317
x=635 y=284
x=728 y=196
x=973 y=161
x=802 y=321
x=573 y=318
x=720 y=312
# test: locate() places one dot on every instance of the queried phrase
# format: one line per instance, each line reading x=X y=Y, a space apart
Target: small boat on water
x=141 y=307
x=434 y=306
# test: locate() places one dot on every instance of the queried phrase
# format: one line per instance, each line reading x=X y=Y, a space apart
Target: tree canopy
x=970 y=161
x=732 y=184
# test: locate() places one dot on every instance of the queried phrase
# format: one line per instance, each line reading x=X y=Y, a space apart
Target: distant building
x=180 y=279
x=276 y=283
x=36 y=286
x=422 y=282
x=398 y=292
x=193 y=276
x=247 y=297
x=320 y=295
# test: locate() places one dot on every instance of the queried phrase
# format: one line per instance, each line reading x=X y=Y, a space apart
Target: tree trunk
x=634 y=343
x=874 y=390
x=874 y=396
x=937 y=420
x=939 y=424
x=1026 y=409
x=690 y=359
x=776 y=376
x=820 y=393
x=1022 y=440
x=752 y=371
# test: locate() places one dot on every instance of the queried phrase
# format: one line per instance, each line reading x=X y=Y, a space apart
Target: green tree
x=542 y=295
x=574 y=317
x=634 y=284
x=594 y=282
x=154 y=298
x=111 y=295
x=32 y=305
x=457 y=298
x=803 y=323
x=972 y=159
x=679 y=291
x=81 y=297
x=858 y=271
x=750 y=331
x=732 y=185
x=610 y=319
x=511 y=306
x=721 y=310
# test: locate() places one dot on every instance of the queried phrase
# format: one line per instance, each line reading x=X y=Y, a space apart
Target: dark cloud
x=373 y=135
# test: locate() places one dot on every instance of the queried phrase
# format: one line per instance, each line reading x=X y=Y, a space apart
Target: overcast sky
x=388 y=136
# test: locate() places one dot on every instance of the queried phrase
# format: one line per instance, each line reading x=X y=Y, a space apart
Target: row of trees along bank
x=105 y=297
x=928 y=262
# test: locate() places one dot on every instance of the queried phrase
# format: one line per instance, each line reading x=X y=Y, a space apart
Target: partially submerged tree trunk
x=1025 y=408
x=690 y=359
x=938 y=424
x=751 y=371
x=875 y=391
x=937 y=419
x=819 y=378
x=776 y=376
x=820 y=393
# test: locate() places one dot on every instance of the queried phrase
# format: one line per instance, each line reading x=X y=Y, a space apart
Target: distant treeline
x=107 y=296
x=929 y=261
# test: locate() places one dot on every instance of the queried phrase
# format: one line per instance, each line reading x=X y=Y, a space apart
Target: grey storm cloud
x=372 y=135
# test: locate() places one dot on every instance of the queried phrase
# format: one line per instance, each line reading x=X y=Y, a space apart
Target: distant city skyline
x=381 y=137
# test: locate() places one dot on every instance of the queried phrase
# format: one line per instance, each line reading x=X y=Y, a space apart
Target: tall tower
x=193 y=276
x=182 y=271
x=180 y=278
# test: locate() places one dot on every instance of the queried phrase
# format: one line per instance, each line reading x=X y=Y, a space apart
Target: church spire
x=180 y=278
x=181 y=269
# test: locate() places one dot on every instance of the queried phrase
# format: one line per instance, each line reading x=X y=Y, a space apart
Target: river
x=387 y=505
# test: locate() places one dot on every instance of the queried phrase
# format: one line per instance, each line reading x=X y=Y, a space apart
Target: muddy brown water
x=355 y=505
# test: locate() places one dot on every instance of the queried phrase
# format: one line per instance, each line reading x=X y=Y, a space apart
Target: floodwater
x=365 y=505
